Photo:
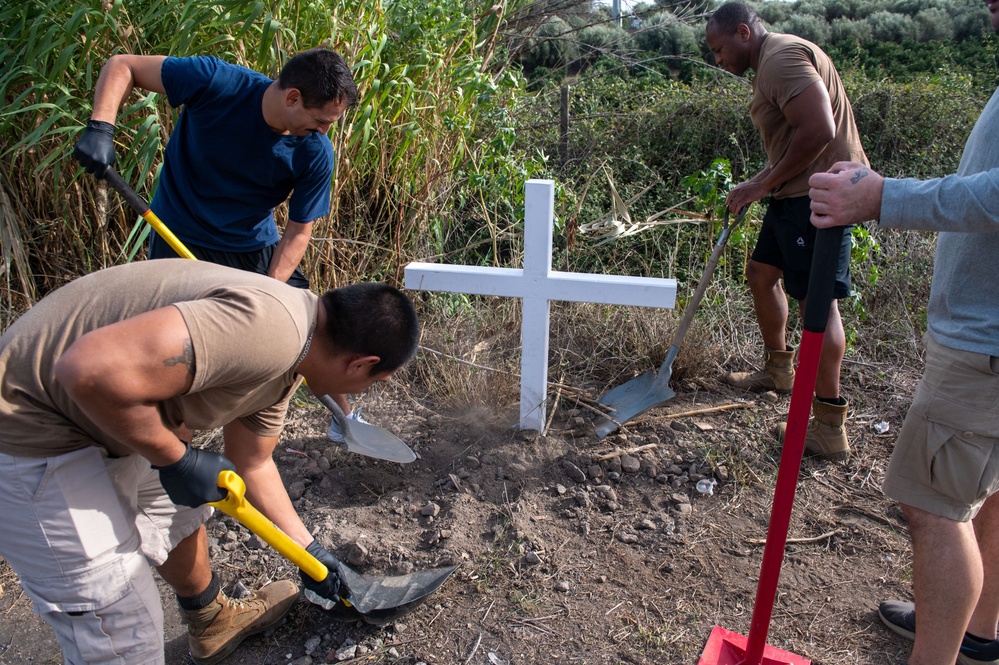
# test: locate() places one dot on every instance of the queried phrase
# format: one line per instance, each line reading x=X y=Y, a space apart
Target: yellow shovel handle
x=139 y=205
x=235 y=505
x=165 y=233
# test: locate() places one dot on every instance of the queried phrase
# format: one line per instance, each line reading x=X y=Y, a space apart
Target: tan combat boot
x=826 y=434
x=216 y=630
x=777 y=373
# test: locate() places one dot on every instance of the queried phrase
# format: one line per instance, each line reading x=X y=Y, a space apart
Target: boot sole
x=759 y=389
x=965 y=660
x=832 y=457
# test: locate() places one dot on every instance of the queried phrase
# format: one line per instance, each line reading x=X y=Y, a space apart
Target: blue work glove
x=329 y=588
x=193 y=480
x=95 y=149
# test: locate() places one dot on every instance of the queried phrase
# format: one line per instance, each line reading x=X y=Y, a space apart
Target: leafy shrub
x=935 y=24
x=916 y=129
x=553 y=45
x=891 y=27
x=807 y=26
x=596 y=40
x=665 y=34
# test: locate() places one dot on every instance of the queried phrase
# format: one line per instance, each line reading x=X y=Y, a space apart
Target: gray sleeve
x=964 y=204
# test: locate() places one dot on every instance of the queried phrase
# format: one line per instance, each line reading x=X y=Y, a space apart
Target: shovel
x=361 y=438
x=375 y=600
x=648 y=390
x=367 y=439
x=723 y=646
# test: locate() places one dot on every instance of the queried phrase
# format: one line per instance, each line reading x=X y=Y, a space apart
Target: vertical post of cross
x=539 y=223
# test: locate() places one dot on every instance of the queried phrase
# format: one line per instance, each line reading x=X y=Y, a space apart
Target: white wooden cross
x=537 y=285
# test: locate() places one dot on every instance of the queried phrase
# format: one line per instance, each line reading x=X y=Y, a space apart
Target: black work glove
x=95 y=149
x=193 y=480
x=330 y=587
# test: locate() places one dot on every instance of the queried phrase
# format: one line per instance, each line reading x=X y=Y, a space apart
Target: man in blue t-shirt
x=241 y=146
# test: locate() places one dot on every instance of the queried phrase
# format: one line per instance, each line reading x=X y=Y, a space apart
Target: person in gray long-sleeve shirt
x=944 y=470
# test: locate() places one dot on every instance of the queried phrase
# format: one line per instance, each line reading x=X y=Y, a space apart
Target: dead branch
x=815 y=539
x=713 y=409
x=629 y=451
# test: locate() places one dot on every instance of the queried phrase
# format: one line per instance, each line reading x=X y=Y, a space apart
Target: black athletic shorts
x=256 y=261
x=786 y=242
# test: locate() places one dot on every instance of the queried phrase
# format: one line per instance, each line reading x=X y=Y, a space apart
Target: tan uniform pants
x=81 y=532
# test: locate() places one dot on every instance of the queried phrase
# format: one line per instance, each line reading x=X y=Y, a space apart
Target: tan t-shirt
x=248 y=332
x=787 y=66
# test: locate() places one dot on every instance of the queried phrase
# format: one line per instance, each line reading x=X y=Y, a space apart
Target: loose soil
x=565 y=558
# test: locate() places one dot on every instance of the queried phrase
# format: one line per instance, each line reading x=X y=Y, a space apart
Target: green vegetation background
x=462 y=102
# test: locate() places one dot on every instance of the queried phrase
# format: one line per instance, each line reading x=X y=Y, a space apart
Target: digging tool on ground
x=374 y=600
x=650 y=389
x=723 y=646
x=361 y=438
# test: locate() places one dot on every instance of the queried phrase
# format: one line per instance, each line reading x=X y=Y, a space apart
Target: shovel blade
x=367 y=439
x=386 y=597
x=727 y=648
x=632 y=399
x=372 y=441
x=628 y=392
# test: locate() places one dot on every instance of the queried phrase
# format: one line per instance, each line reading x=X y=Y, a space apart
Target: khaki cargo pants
x=946 y=458
x=81 y=532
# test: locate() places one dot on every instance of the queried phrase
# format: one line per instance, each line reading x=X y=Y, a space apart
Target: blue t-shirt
x=225 y=169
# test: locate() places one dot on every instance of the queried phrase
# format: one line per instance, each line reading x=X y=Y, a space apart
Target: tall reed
x=434 y=97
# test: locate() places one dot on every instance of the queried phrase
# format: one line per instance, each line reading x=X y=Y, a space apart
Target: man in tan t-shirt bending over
x=102 y=386
x=807 y=125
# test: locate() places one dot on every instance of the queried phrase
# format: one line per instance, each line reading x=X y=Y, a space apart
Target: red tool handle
x=821 y=281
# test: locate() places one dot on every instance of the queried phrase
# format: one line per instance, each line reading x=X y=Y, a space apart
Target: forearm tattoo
x=861 y=173
x=186 y=358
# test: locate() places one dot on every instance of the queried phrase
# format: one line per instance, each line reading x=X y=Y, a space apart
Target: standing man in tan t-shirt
x=807 y=125
x=102 y=385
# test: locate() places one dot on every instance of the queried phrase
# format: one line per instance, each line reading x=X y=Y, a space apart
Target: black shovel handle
x=139 y=205
x=134 y=201
x=822 y=278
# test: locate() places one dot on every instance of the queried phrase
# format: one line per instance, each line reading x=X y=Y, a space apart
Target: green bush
x=651 y=134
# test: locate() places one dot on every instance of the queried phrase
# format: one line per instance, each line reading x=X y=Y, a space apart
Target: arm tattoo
x=186 y=358
x=861 y=173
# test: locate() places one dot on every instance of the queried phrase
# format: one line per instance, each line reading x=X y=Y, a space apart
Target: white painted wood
x=537 y=285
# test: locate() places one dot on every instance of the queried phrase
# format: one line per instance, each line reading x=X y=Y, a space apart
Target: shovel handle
x=139 y=205
x=691 y=308
x=235 y=505
x=822 y=278
x=821 y=287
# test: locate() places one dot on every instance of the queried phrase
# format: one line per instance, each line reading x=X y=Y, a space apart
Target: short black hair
x=321 y=76
x=729 y=16
x=373 y=319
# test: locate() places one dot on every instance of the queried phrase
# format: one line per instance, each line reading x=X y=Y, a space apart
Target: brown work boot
x=216 y=630
x=777 y=373
x=826 y=434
